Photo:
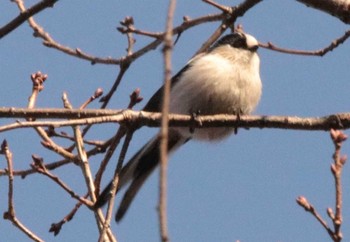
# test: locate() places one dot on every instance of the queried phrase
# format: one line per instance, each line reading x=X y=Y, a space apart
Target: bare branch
x=134 y=99
x=38 y=80
x=25 y=15
x=10 y=214
x=334 y=44
x=141 y=118
x=50 y=42
x=39 y=166
x=115 y=182
x=303 y=202
x=230 y=15
x=163 y=133
x=56 y=227
x=338 y=137
x=337 y=8
x=85 y=167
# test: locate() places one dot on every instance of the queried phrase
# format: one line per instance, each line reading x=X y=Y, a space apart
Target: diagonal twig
x=25 y=15
x=10 y=214
x=334 y=44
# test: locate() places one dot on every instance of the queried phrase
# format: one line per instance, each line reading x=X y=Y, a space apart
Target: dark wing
x=155 y=103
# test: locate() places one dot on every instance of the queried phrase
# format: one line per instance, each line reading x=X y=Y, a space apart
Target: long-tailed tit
x=223 y=80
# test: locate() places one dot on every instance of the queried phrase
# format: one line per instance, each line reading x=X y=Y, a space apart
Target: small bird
x=223 y=80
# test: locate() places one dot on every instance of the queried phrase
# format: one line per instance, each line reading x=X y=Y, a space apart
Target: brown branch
x=50 y=42
x=56 y=227
x=337 y=8
x=230 y=15
x=303 y=202
x=105 y=99
x=128 y=28
x=321 y=52
x=98 y=93
x=10 y=214
x=39 y=166
x=115 y=182
x=25 y=15
x=57 y=164
x=338 y=137
x=336 y=121
x=24 y=173
x=221 y=7
x=135 y=98
x=141 y=118
x=164 y=130
x=242 y=8
x=38 y=80
x=51 y=132
x=131 y=41
x=85 y=167
x=188 y=23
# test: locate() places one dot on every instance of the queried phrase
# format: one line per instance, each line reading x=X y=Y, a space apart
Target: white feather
x=226 y=80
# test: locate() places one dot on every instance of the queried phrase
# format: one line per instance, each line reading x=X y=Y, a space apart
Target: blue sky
x=243 y=188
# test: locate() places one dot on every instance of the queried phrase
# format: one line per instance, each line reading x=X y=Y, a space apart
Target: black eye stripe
x=236 y=40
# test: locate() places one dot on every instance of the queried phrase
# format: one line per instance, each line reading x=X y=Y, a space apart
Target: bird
x=225 y=79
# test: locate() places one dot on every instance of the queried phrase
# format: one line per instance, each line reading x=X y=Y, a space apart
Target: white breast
x=217 y=84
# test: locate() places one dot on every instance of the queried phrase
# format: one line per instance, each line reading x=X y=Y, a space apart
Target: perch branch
x=141 y=118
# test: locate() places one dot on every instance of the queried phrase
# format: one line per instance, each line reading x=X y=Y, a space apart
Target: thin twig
x=108 y=155
x=10 y=214
x=167 y=50
x=115 y=182
x=135 y=98
x=57 y=164
x=230 y=15
x=303 y=202
x=85 y=167
x=24 y=15
x=51 y=132
x=105 y=99
x=38 y=80
x=39 y=166
x=223 y=8
x=100 y=220
x=50 y=42
x=56 y=227
x=338 y=137
x=321 y=52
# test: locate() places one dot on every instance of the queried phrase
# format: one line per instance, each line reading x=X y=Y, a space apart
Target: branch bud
x=302 y=201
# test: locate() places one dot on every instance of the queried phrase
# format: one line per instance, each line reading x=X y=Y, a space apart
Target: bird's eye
x=240 y=43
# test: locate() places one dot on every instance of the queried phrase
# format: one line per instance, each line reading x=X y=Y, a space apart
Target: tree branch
x=10 y=214
x=164 y=130
x=25 y=15
x=334 y=44
x=337 y=8
x=141 y=118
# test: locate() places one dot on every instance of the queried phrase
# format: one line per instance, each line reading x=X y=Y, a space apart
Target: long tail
x=138 y=169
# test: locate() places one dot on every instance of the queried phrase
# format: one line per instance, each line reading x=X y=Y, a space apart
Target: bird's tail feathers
x=125 y=175
x=138 y=169
x=146 y=163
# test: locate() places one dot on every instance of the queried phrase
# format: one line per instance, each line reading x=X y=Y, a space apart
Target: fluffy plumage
x=225 y=79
